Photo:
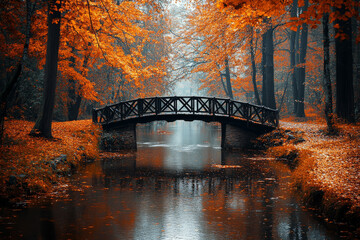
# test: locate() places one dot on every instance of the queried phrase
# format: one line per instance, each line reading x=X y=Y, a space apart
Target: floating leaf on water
x=225 y=166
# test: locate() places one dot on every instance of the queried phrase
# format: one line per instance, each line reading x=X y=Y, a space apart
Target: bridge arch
x=240 y=121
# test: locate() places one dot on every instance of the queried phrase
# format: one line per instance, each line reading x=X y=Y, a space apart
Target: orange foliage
x=124 y=37
x=29 y=159
x=215 y=37
x=330 y=164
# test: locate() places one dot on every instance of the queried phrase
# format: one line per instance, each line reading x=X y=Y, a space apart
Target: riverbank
x=32 y=166
x=325 y=169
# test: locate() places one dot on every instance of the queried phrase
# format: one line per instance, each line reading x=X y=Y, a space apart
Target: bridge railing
x=185 y=105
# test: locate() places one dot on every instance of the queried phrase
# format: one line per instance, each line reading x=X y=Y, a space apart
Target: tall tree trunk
x=253 y=67
x=327 y=80
x=223 y=84
x=43 y=123
x=356 y=28
x=300 y=111
x=268 y=93
x=344 y=70
x=296 y=69
x=74 y=101
x=293 y=34
x=9 y=87
x=228 y=79
x=264 y=90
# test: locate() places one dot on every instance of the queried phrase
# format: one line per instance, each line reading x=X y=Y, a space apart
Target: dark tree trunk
x=293 y=34
x=344 y=70
x=253 y=68
x=296 y=69
x=301 y=69
x=268 y=94
x=357 y=80
x=263 y=63
x=356 y=28
x=327 y=80
x=228 y=79
x=74 y=101
x=43 y=123
x=75 y=98
x=9 y=87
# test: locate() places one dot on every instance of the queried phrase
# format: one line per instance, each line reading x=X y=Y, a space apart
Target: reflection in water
x=178 y=146
x=172 y=188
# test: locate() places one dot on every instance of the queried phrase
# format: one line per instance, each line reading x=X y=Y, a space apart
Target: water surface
x=178 y=185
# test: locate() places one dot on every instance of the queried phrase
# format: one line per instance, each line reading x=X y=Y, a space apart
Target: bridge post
x=236 y=138
x=140 y=104
x=120 y=138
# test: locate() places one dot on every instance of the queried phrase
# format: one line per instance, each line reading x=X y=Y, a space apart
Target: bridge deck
x=188 y=108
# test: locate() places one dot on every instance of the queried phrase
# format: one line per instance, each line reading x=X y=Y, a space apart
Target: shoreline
x=324 y=169
x=32 y=166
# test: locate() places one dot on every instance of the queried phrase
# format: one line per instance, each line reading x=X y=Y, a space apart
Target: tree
x=340 y=13
x=268 y=95
x=43 y=123
x=298 y=49
x=218 y=48
x=10 y=85
x=118 y=43
x=344 y=65
x=252 y=49
x=303 y=14
x=327 y=81
x=229 y=90
x=300 y=68
x=293 y=33
x=263 y=15
x=211 y=44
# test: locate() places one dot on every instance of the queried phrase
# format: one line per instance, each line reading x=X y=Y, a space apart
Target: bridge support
x=234 y=137
x=119 y=138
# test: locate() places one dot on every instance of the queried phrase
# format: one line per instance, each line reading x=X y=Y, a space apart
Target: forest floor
x=33 y=165
x=326 y=169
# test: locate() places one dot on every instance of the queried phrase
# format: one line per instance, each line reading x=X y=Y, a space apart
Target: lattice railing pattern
x=186 y=105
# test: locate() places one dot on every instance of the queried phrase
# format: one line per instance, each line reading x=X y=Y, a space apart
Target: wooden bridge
x=125 y=115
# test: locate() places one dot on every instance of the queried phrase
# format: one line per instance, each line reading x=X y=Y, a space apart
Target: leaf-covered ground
x=335 y=160
x=27 y=163
x=328 y=169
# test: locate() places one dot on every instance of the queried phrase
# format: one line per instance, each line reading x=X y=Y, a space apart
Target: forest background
x=61 y=58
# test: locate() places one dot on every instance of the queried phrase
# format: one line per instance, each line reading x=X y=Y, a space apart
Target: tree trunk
x=356 y=28
x=74 y=101
x=296 y=69
x=253 y=68
x=263 y=63
x=43 y=123
x=268 y=94
x=9 y=87
x=75 y=98
x=344 y=70
x=228 y=79
x=327 y=80
x=293 y=34
x=301 y=69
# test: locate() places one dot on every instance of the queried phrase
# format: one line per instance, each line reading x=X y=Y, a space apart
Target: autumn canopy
x=60 y=58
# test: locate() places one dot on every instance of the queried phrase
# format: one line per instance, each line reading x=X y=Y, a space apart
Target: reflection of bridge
x=231 y=114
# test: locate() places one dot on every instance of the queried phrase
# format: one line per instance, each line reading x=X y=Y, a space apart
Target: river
x=177 y=185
